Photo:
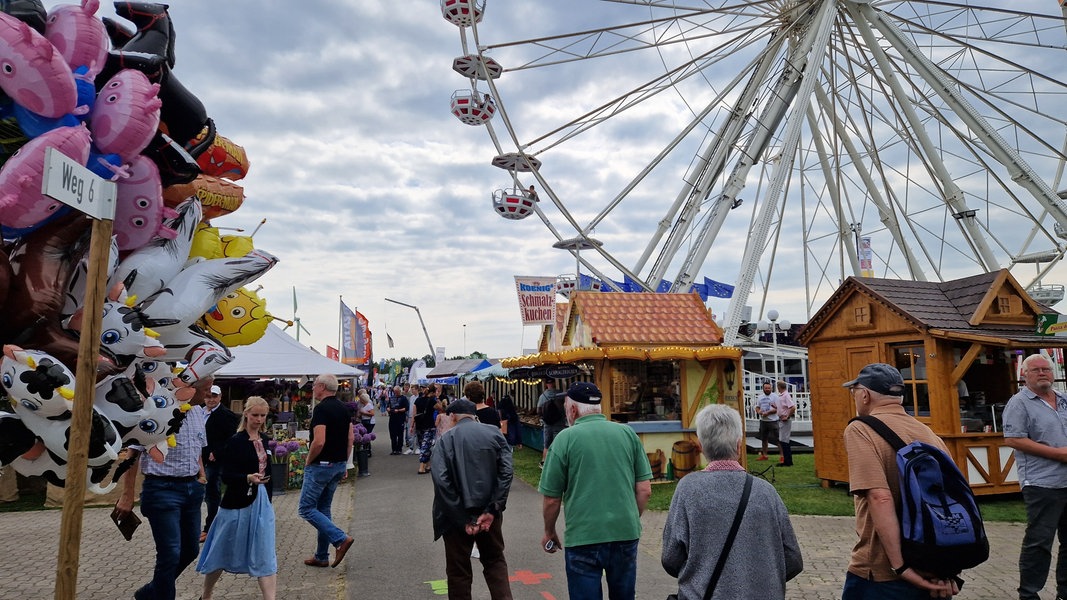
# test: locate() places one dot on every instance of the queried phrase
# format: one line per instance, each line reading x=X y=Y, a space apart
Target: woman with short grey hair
x=765 y=553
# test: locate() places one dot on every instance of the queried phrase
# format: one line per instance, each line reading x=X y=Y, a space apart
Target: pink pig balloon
x=126 y=114
x=139 y=208
x=78 y=35
x=22 y=205
x=32 y=72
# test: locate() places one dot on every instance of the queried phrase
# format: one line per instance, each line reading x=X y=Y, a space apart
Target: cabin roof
x=644 y=319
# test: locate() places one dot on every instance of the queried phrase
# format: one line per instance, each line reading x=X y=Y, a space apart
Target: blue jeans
x=858 y=588
x=173 y=511
x=316 y=498
x=213 y=492
x=586 y=565
x=1046 y=516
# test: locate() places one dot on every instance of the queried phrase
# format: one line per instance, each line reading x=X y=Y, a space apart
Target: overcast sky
x=372 y=190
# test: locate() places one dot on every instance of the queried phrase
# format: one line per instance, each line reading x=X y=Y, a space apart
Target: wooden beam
x=965 y=363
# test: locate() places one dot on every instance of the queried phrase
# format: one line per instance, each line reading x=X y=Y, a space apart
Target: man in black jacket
x=472 y=472
x=219 y=427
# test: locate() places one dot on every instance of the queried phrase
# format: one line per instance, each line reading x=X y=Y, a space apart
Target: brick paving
x=395 y=556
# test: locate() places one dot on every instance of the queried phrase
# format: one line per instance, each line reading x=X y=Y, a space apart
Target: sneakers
x=781 y=460
x=762 y=457
x=408 y=451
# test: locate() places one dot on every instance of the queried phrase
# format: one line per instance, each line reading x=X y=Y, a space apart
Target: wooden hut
x=958 y=344
x=657 y=358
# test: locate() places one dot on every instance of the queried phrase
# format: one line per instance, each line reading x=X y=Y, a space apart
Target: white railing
x=802 y=414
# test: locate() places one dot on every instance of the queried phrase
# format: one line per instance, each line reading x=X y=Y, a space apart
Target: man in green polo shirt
x=598 y=472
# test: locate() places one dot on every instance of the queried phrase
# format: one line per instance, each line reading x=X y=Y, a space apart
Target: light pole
x=775 y=327
x=464 y=339
x=421 y=322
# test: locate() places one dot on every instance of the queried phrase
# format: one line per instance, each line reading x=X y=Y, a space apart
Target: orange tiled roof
x=645 y=319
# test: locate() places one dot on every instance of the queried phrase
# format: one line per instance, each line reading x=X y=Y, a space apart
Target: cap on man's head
x=584 y=392
x=216 y=390
x=879 y=377
x=461 y=407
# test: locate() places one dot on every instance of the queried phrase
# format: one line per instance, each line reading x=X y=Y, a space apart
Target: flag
x=389 y=339
x=355 y=337
x=632 y=285
x=701 y=289
x=333 y=353
x=663 y=287
x=717 y=289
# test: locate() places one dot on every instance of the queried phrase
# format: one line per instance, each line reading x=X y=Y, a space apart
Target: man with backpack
x=1033 y=427
x=553 y=419
x=877 y=569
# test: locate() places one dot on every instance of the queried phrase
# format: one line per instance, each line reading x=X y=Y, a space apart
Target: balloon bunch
x=105 y=95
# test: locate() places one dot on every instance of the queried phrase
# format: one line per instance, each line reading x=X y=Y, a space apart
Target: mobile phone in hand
x=550 y=546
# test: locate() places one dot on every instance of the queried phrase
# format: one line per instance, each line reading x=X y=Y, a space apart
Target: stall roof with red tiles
x=641 y=319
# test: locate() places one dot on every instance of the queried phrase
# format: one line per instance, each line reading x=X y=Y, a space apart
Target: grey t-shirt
x=1027 y=415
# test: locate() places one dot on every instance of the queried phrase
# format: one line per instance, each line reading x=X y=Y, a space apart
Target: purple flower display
x=292 y=445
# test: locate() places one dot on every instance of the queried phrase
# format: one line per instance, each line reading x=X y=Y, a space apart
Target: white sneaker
x=408 y=451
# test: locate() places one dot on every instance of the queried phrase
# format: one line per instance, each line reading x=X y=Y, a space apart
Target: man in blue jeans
x=332 y=437
x=170 y=499
x=598 y=472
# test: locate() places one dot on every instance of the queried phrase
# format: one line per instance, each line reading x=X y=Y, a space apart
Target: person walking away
x=598 y=473
x=1033 y=423
x=768 y=418
x=785 y=409
x=472 y=474
x=876 y=569
x=219 y=427
x=242 y=538
x=703 y=508
x=509 y=418
x=332 y=438
x=171 y=496
x=423 y=426
x=366 y=417
x=398 y=413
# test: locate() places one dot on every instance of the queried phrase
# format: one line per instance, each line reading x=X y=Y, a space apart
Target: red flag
x=333 y=353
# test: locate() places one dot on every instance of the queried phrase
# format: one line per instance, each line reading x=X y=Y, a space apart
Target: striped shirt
x=184 y=459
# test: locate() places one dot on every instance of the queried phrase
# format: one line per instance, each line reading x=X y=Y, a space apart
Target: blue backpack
x=941 y=528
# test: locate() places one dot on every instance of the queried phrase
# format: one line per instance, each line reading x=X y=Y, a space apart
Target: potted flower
x=361 y=443
x=279 y=465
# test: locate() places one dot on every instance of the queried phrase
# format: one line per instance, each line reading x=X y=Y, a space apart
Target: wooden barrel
x=655 y=459
x=684 y=456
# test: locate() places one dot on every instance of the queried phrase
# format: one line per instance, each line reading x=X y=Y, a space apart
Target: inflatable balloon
x=198 y=287
x=23 y=207
x=222 y=158
x=236 y=245
x=207 y=245
x=240 y=318
x=126 y=114
x=149 y=268
x=218 y=196
x=125 y=332
x=153 y=33
x=35 y=75
x=79 y=37
x=139 y=210
x=150 y=422
x=74 y=296
x=41 y=389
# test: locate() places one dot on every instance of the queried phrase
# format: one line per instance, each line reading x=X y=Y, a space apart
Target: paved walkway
x=395 y=557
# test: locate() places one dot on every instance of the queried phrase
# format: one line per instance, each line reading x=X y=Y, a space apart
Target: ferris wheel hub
x=514 y=161
x=477 y=67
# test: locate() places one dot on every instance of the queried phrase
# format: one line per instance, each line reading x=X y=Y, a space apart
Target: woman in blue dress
x=241 y=538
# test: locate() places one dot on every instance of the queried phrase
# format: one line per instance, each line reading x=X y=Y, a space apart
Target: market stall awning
x=456 y=367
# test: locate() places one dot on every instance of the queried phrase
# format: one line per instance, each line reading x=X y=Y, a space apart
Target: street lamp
x=774 y=327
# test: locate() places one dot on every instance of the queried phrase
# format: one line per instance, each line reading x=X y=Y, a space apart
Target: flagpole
x=340 y=325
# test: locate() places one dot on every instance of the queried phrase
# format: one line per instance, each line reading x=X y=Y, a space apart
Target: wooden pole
x=70 y=529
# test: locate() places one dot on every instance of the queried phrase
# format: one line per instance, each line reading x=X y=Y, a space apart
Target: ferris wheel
x=779 y=145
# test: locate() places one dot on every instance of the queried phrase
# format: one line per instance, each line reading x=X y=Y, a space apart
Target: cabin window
x=645 y=391
x=861 y=316
x=910 y=360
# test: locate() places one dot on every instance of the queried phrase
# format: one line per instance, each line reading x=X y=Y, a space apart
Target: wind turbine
x=296 y=319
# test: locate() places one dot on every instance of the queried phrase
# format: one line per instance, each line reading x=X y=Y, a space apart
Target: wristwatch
x=900 y=570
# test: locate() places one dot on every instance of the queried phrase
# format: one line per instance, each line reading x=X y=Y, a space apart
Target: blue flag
x=701 y=289
x=663 y=287
x=717 y=289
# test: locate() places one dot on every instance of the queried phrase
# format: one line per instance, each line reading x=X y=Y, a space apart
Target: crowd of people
x=721 y=521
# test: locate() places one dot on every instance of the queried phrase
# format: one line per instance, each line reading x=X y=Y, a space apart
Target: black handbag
x=729 y=541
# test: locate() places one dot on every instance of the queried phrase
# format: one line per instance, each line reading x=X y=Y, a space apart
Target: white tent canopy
x=277 y=354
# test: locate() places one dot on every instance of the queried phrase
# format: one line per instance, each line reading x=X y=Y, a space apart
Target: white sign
x=74 y=185
x=537 y=299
